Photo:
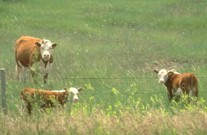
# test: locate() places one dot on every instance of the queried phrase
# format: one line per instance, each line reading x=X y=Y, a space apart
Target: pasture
x=109 y=48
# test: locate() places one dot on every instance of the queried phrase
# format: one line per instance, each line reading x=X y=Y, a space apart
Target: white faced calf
x=48 y=98
x=178 y=83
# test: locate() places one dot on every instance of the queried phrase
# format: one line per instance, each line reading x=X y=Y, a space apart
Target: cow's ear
x=156 y=71
x=67 y=90
x=54 y=45
x=80 y=89
x=170 y=73
x=172 y=70
x=38 y=44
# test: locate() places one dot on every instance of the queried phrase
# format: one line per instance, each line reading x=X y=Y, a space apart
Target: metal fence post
x=3 y=90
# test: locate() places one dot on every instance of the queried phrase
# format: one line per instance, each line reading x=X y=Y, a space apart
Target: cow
x=34 y=54
x=48 y=98
x=178 y=83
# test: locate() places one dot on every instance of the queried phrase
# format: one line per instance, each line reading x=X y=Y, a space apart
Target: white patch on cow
x=58 y=91
x=178 y=92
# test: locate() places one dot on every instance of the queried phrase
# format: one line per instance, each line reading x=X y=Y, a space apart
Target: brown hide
x=185 y=81
x=45 y=97
x=26 y=51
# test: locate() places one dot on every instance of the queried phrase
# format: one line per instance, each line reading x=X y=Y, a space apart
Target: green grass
x=109 y=48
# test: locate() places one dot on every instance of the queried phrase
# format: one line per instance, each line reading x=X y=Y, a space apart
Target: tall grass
x=109 y=48
x=134 y=118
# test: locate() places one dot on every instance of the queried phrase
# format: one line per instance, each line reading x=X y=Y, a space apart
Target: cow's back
x=186 y=81
x=189 y=79
x=24 y=48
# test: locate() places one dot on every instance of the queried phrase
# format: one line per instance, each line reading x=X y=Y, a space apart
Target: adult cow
x=48 y=98
x=35 y=54
x=178 y=83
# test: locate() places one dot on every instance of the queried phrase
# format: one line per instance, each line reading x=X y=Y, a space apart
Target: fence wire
x=88 y=91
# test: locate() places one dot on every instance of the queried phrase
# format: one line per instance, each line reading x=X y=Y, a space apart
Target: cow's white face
x=75 y=92
x=162 y=75
x=46 y=48
x=72 y=90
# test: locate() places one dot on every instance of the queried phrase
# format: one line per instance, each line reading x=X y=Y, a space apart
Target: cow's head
x=163 y=74
x=46 y=48
x=74 y=91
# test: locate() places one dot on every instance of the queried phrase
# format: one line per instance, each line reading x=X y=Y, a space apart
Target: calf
x=178 y=83
x=48 y=98
x=35 y=54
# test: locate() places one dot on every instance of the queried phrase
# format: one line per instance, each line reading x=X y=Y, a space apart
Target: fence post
x=3 y=90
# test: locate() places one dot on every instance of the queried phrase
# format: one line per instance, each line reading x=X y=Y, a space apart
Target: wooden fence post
x=3 y=90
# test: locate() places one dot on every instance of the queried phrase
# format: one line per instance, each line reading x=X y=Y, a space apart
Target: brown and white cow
x=34 y=54
x=178 y=83
x=48 y=98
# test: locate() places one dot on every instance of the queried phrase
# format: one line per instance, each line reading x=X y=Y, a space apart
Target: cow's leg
x=34 y=69
x=45 y=77
x=193 y=94
x=178 y=94
x=34 y=76
x=21 y=73
x=188 y=95
x=18 y=70
x=186 y=91
x=24 y=74
x=170 y=95
x=29 y=108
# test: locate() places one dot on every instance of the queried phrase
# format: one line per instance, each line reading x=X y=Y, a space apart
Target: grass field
x=109 y=48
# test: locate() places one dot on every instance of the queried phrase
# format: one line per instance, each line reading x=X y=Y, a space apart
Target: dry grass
x=98 y=122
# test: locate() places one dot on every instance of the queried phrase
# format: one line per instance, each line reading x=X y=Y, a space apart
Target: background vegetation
x=109 y=48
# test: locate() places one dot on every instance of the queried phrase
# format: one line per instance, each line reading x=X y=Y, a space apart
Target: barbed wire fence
x=3 y=90
x=3 y=84
x=121 y=78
